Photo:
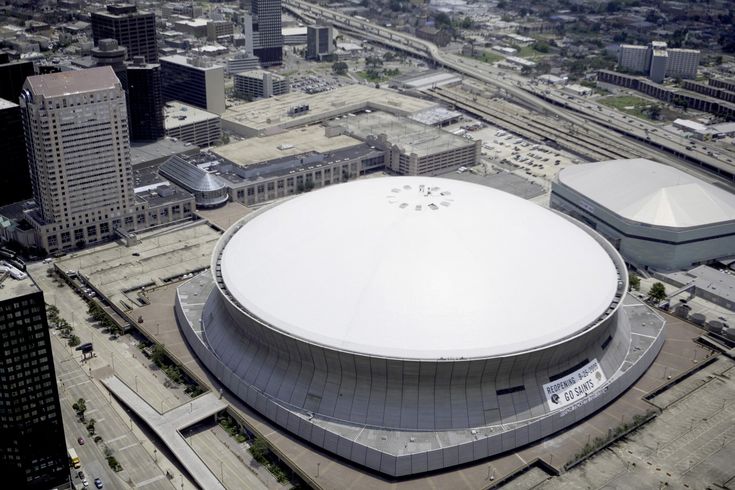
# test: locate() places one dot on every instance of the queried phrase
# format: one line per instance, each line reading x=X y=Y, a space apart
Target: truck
x=73 y=458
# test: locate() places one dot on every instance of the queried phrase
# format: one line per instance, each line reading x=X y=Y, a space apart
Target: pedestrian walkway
x=169 y=424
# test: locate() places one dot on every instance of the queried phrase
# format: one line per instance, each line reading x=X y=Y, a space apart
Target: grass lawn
x=486 y=56
x=629 y=104
x=365 y=76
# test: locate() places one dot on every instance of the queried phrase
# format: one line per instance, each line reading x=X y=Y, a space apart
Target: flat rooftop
x=178 y=114
x=73 y=82
x=163 y=256
x=288 y=164
x=197 y=63
x=273 y=111
x=259 y=74
x=295 y=142
x=708 y=279
x=409 y=135
x=13 y=288
x=150 y=152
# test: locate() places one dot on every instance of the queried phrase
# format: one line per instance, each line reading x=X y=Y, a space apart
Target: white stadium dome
x=397 y=260
x=409 y=324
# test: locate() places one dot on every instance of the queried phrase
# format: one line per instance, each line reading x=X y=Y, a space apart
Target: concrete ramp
x=169 y=424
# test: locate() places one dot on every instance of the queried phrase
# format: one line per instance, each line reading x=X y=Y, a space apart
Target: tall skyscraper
x=15 y=181
x=195 y=81
x=32 y=446
x=12 y=76
x=136 y=31
x=145 y=100
x=267 y=31
x=78 y=146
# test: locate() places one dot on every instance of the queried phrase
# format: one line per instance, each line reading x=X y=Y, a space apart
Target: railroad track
x=535 y=127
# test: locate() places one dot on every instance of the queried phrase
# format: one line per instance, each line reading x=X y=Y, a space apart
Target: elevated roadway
x=651 y=148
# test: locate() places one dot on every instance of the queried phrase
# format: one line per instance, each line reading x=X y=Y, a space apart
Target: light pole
x=136 y=384
x=317 y=469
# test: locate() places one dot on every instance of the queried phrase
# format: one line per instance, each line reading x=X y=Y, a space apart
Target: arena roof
x=648 y=192
x=418 y=268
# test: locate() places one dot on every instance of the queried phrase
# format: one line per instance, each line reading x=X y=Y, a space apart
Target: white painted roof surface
x=475 y=272
x=648 y=192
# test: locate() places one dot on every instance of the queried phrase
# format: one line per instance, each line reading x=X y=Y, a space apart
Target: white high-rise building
x=634 y=58
x=77 y=139
x=658 y=61
x=683 y=63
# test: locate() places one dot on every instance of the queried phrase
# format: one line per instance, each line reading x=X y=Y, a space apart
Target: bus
x=73 y=458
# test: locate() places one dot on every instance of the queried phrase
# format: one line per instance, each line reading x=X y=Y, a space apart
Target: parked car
x=98 y=483
x=81 y=441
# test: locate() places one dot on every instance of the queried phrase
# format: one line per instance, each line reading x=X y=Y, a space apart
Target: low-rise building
x=191 y=124
x=259 y=84
x=219 y=30
x=411 y=148
x=279 y=113
x=242 y=61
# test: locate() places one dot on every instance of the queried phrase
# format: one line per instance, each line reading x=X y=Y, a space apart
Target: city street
x=145 y=462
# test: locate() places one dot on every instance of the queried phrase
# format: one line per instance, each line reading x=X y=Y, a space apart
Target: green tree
x=259 y=449
x=541 y=46
x=654 y=112
x=635 y=282
x=373 y=61
x=80 y=406
x=657 y=292
x=339 y=68
x=74 y=341
x=158 y=355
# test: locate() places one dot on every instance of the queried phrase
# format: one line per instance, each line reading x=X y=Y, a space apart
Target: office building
x=109 y=53
x=78 y=146
x=220 y=30
x=134 y=30
x=15 y=180
x=247 y=32
x=259 y=84
x=145 y=100
x=242 y=61
x=12 y=76
x=318 y=42
x=192 y=125
x=195 y=81
x=657 y=61
x=32 y=445
x=368 y=356
x=267 y=28
x=657 y=216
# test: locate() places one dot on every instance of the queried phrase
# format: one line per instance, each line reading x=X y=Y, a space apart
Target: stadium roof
x=648 y=192
x=419 y=268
